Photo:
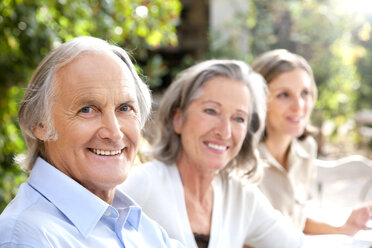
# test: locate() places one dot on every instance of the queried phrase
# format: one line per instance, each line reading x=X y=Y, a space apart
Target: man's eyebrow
x=85 y=102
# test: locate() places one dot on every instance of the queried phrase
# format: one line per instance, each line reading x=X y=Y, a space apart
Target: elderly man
x=81 y=117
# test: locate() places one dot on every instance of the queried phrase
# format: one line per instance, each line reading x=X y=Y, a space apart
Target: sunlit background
x=165 y=36
x=357 y=6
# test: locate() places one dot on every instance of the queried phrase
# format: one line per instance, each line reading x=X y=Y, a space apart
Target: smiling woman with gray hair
x=210 y=121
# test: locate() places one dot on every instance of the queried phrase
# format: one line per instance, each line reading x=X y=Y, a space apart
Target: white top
x=288 y=191
x=241 y=214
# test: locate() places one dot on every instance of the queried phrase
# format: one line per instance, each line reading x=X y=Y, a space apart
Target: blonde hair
x=273 y=63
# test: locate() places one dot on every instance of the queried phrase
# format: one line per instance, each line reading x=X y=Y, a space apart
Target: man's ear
x=40 y=132
x=177 y=121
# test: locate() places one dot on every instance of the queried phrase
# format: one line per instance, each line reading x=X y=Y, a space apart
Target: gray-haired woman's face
x=215 y=124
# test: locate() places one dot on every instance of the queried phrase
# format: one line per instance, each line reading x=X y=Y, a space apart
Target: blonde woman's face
x=290 y=103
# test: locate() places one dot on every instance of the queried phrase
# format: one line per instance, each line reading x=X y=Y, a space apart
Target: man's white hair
x=37 y=103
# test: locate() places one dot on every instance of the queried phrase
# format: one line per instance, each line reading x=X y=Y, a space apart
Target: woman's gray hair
x=273 y=63
x=37 y=103
x=186 y=87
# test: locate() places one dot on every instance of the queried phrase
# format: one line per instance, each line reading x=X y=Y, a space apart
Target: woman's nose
x=298 y=103
x=224 y=128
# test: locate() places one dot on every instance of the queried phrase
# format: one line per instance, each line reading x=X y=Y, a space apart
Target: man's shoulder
x=22 y=205
x=27 y=228
x=27 y=218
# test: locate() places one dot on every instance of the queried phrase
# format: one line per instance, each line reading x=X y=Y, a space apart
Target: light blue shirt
x=53 y=210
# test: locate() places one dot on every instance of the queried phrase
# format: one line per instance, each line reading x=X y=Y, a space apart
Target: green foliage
x=11 y=144
x=327 y=44
x=30 y=29
x=363 y=37
x=321 y=31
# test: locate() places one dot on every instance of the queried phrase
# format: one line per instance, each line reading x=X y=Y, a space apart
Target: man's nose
x=111 y=128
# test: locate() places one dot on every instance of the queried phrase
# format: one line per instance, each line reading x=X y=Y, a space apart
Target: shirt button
x=107 y=213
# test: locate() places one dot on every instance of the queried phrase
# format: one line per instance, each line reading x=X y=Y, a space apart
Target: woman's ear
x=177 y=121
x=40 y=132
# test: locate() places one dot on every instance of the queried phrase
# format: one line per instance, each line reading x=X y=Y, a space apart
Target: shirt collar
x=266 y=156
x=79 y=205
x=299 y=149
x=125 y=205
x=296 y=150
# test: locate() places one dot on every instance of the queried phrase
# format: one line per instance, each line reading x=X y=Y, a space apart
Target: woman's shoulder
x=310 y=141
x=153 y=167
x=308 y=144
x=234 y=185
x=151 y=173
x=148 y=179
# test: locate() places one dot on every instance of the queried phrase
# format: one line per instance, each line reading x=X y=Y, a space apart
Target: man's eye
x=125 y=108
x=86 y=110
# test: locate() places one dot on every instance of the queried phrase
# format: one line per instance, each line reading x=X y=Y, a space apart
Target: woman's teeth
x=217 y=147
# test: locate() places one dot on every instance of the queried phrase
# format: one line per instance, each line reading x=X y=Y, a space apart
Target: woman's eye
x=305 y=93
x=240 y=119
x=125 y=108
x=86 y=110
x=210 y=111
x=282 y=95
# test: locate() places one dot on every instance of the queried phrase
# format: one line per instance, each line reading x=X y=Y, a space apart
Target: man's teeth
x=217 y=147
x=105 y=153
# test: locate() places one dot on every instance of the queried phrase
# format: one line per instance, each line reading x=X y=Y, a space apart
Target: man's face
x=96 y=117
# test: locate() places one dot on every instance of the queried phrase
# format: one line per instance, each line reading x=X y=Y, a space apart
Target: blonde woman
x=287 y=148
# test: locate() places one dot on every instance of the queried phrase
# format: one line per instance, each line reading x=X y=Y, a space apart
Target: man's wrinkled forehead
x=93 y=67
x=96 y=62
x=92 y=72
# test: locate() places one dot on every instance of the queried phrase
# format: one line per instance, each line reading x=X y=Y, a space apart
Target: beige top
x=288 y=191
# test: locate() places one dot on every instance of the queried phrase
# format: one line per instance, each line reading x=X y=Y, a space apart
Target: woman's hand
x=358 y=220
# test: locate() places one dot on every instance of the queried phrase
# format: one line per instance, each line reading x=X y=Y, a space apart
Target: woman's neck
x=196 y=181
x=278 y=146
x=197 y=186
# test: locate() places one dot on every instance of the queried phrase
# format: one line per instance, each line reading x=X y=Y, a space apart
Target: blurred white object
x=346 y=182
x=335 y=240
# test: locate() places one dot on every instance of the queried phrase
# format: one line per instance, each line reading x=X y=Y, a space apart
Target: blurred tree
x=363 y=37
x=30 y=29
x=320 y=31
